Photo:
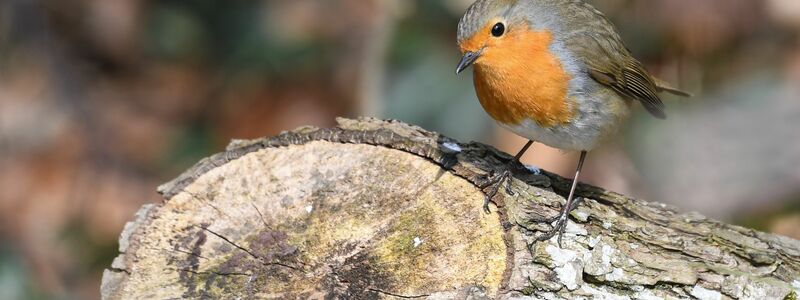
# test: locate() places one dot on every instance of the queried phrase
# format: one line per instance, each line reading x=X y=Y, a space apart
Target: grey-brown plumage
x=608 y=61
x=555 y=72
x=588 y=35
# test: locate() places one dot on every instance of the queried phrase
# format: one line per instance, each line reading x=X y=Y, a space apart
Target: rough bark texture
x=381 y=209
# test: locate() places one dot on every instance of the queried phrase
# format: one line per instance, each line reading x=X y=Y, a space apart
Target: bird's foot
x=494 y=182
x=559 y=223
x=550 y=220
x=558 y=229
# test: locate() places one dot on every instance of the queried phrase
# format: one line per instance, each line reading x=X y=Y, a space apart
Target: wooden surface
x=380 y=209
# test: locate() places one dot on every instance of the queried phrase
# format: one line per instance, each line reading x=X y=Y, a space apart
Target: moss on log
x=378 y=209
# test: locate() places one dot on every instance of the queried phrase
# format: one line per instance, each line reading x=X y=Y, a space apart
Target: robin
x=554 y=72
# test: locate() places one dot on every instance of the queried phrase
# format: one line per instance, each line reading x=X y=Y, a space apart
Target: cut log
x=378 y=209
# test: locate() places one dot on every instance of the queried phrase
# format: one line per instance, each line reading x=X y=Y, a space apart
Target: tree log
x=377 y=209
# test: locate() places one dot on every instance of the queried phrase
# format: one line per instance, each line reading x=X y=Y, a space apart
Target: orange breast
x=518 y=78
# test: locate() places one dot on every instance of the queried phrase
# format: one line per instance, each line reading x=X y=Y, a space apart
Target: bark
x=381 y=209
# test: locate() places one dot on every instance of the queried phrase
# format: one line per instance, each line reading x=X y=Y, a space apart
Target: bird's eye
x=498 y=30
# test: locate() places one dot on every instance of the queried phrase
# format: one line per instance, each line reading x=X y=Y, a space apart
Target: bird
x=555 y=72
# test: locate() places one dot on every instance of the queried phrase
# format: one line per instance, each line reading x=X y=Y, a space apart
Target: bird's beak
x=468 y=59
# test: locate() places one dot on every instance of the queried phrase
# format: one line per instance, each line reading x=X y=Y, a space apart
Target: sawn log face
x=382 y=209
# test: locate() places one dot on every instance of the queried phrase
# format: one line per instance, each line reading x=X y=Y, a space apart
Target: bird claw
x=560 y=225
x=558 y=228
x=494 y=182
x=509 y=190
x=486 y=202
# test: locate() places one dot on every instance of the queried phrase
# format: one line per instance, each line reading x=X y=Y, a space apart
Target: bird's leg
x=563 y=217
x=497 y=180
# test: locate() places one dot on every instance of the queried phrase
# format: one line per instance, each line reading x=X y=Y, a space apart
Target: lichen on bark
x=382 y=209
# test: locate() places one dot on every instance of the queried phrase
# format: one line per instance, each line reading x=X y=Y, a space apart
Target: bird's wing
x=592 y=38
x=629 y=78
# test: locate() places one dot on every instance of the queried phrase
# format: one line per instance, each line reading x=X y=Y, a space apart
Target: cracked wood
x=382 y=209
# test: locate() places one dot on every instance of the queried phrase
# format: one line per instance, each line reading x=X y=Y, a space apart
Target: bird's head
x=496 y=31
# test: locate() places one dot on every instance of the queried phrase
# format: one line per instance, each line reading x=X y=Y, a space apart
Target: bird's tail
x=664 y=86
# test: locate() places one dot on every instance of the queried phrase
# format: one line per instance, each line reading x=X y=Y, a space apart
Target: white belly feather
x=596 y=119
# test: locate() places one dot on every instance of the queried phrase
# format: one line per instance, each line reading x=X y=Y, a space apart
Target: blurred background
x=103 y=100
